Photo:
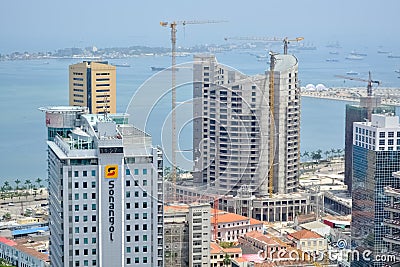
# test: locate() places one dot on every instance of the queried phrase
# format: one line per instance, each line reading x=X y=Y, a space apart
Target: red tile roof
x=305 y=234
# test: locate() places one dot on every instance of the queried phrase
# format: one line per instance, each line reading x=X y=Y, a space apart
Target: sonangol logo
x=111 y=171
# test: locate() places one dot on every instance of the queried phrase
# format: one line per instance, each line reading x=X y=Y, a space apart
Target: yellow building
x=93 y=85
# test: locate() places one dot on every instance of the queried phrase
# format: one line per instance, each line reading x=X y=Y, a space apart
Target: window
x=128 y=172
x=144 y=248
x=93 y=172
x=137 y=227
x=85 y=218
x=390 y=142
x=144 y=205
x=93 y=206
x=136 y=249
x=136 y=238
x=145 y=227
x=94 y=262
x=136 y=171
x=84 y=195
x=128 y=260
x=76 y=230
x=76 y=185
x=144 y=237
x=144 y=182
x=76 y=241
x=94 y=240
x=76 y=207
x=76 y=252
x=85 y=263
x=390 y=134
x=128 y=238
x=136 y=260
x=84 y=206
x=136 y=216
x=382 y=134
x=381 y=142
x=128 y=249
x=84 y=184
x=144 y=194
x=84 y=173
x=94 y=252
x=128 y=183
x=136 y=193
x=76 y=173
x=94 y=229
x=128 y=193
x=85 y=241
x=93 y=184
x=128 y=217
x=93 y=195
x=145 y=215
x=76 y=218
x=144 y=259
x=93 y=218
x=144 y=171
x=76 y=196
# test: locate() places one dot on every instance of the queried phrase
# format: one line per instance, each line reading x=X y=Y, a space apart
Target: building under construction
x=246 y=129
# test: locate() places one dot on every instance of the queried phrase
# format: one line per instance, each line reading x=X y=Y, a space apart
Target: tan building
x=307 y=241
x=218 y=254
x=93 y=85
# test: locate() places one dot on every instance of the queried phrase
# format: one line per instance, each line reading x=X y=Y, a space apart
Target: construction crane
x=272 y=124
x=173 y=26
x=369 y=88
x=215 y=219
x=285 y=40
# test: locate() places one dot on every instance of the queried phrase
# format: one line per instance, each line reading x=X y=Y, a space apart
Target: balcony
x=392 y=239
x=392 y=223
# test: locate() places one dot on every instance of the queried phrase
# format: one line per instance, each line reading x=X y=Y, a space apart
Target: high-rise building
x=392 y=238
x=187 y=235
x=105 y=191
x=376 y=155
x=93 y=85
x=358 y=113
x=232 y=123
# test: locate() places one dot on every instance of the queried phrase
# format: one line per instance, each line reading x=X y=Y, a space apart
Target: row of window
x=93 y=172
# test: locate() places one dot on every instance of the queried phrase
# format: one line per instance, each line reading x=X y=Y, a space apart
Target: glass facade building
x=376 y=157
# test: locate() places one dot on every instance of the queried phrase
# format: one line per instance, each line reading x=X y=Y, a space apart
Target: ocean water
x=27 y=85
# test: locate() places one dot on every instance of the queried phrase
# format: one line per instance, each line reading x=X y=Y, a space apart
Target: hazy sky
x=47 y=24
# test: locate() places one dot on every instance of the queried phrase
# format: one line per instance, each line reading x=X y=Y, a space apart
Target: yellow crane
x=272 y=124
x=173 y=26
x=285 y=40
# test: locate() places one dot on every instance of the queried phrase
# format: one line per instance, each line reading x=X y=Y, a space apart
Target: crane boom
x=173 y=26
x=285 y=40
x=369 y=81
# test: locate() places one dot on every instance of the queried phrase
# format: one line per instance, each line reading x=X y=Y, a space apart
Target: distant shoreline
x=390 y=95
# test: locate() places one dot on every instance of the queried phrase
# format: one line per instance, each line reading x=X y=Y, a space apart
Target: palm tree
x=38 y=181
x=227 y=260
x=333 y=151
x=327 y=154
x=28 y=184
x=306 y=154
x=17 y=182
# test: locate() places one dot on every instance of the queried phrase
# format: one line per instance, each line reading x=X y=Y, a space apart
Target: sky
x=46 y=25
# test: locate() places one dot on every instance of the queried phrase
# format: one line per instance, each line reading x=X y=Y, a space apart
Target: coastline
x=389 y=95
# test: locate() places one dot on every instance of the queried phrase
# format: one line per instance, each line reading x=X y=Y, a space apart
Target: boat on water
x=122 y=65
x=393 y=56
x=306 y=47
x=352 y=73
x=354 y=57
x=332 y=60
x=334 y=52
x=161 y=68
x=380 y=51
x=355 y=53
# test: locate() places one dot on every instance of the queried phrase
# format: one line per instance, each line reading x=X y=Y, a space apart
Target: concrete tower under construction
x=232 y=133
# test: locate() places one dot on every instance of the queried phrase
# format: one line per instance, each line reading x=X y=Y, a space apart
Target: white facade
x=199 y=235
x=381 y=134
x=231 y=127
x=105 y=196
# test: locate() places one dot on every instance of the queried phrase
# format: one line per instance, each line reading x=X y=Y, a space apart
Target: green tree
x=38 y=182
x=17 y=182
x=327 y=153
x=28 y=184
x=227 y=260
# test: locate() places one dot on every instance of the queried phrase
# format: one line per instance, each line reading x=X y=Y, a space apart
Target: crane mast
x=173 y=26
x=271 y=125
x=369 y=88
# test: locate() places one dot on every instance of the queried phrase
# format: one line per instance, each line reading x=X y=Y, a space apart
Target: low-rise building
x=231 y=226
x=308 y=241
x=24 y=252
x=218 y=254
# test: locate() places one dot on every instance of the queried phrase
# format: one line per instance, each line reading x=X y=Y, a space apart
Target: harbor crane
x=173 y=25
x=285 y=40
x=369 y=88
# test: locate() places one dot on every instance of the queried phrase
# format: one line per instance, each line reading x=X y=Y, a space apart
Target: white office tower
x=105 y=191
x=232 y=127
